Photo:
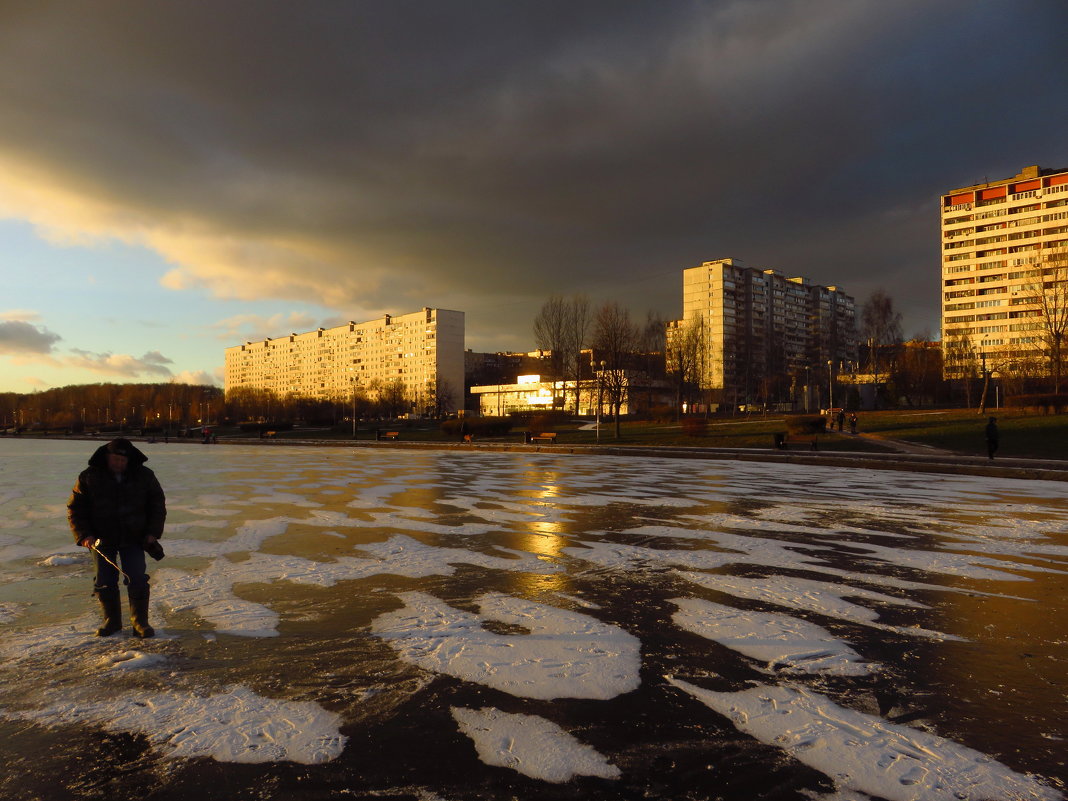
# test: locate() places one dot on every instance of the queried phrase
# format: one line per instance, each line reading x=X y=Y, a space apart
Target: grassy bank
x=1023 y=435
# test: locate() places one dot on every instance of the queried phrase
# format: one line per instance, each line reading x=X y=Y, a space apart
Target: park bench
x=784 y=441
x=380 y=434
x=545 y=436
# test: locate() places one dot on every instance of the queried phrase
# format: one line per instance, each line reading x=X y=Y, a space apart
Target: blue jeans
x=130 y=558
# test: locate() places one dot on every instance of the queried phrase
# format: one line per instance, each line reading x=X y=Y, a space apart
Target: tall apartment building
x=1001 y=242
x=764 y=333
x=424 y=349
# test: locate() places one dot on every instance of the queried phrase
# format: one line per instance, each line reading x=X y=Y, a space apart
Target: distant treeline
x=81 y=406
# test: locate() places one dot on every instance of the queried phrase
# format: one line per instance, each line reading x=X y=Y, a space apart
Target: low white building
x=531 y=394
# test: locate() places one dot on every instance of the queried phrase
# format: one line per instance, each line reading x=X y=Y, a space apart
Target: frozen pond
x=453 y=626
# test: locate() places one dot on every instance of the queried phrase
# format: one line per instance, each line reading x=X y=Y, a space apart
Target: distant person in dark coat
x=992 y=437
x=841 y=419
x=117 y=510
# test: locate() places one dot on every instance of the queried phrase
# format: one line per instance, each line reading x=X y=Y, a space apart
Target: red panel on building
x=990 y=194
x=1027 y=186
x=1057 y=180
x=967 y=197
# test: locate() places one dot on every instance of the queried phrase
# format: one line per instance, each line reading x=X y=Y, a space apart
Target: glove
x=153 y=548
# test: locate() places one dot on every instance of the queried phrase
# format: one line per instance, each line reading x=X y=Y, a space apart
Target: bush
x=806 y=424
x=662 y=414
x=1048 y=403
x=477 y=426
x=694 y=426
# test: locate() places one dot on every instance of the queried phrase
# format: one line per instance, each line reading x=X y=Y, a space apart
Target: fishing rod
x=101 y=555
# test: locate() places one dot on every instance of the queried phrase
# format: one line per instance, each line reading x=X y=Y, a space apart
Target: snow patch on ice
x=814 y=596
x=132 y=660
x=565 y=655
x=530 y=745
x=58 y=559
x=865 y=753
x=783 y=643
x=235 y=726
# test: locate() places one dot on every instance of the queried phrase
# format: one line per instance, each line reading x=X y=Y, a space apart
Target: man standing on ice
x=117 y=509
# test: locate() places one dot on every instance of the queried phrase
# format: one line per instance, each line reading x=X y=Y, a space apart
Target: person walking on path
x=841 y=420
x=117 y=509
x=853 y=423
x=992 y=438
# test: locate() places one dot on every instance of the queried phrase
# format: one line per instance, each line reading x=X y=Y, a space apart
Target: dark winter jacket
x=120 y=513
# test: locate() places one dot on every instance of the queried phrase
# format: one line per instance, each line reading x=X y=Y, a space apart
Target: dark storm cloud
x=483 y=155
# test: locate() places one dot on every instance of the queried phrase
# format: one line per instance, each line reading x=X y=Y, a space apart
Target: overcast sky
x=178 y=177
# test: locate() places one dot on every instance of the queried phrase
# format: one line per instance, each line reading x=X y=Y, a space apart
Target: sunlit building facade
x=998 y=244
x=762 y=334
x=424 y=350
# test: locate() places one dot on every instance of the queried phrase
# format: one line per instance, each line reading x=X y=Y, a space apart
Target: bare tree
x=960 y=359
x=880 y=327
x=685 y=357
x=615 y=338
x=1048 y=293
x=561 y=327
x=550 y=331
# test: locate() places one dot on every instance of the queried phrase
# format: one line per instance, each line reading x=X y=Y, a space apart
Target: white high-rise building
x=424 y=349
x=1004 y=245
x=763 y=334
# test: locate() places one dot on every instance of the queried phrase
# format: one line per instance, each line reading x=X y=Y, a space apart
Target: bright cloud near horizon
x=177 y=178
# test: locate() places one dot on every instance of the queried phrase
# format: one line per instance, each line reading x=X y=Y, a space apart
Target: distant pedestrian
x=992 y=438
x=853 y=423
x=841 y=419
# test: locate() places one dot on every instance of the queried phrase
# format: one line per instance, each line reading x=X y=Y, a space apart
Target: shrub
x=1048 y=403
x=806 y=424
x=477 y=426
x=694 y=426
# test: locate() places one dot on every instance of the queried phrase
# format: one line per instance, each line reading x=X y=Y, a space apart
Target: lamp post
x=354 y=407
x=830 y=384
x=600 y=399
x=986 y=376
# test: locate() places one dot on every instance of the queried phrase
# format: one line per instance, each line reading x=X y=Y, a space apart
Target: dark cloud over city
x=482 y=155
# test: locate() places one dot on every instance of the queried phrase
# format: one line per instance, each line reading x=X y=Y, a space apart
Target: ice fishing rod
x=98 y=553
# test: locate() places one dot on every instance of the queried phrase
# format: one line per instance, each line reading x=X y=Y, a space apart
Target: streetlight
x=353 y=379
x=830 y=384
x=600 y=397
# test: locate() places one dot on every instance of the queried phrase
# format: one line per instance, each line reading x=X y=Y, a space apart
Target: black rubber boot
x=139 y=612
x=111 y=603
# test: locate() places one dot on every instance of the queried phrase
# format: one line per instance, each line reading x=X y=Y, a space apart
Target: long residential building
x=1004 y=248
x=424 y=350
x=762 y=335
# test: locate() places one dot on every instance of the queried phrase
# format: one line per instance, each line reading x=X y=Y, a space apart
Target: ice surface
x=334 y=615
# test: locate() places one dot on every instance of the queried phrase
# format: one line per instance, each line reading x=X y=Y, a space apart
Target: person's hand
x=149 y=540
x=86 y=542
